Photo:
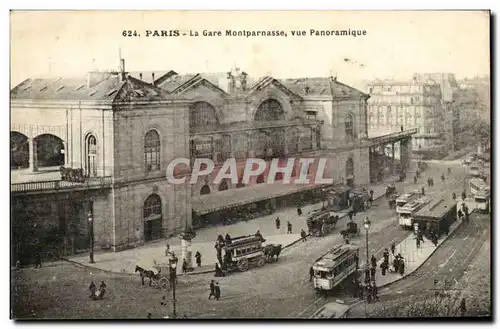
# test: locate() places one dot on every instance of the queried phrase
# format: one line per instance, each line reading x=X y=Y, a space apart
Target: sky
x=396 y=45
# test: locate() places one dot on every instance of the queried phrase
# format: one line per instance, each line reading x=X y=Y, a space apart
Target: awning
x=208 y=203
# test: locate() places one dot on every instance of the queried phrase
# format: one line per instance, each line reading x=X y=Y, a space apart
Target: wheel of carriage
x=261 y=261
x=163 y=283
x=243 y=265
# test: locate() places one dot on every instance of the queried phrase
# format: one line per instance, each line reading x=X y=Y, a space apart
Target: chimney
x=122 y=70
x=140 y=76
x=230 y=84
x=153 y=76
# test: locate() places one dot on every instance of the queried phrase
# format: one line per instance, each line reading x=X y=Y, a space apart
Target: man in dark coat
x=303 y=235
x=102 y=290
x=384 y=267
x=414 y=179
x=278 y=222
x=393 y=248
x=197 y=256
x=38 y=259
x=454 y=196
x=350 y=214
x=218 y=271
x=429 y=182
x=373 y=270
x=401 y=267
x=92 y=289
x=217 y=291
x=368 y=293
x=299 y=211
x=311 y=274
x=373 y=261
x=371 y=195
x=423 y=191
x=289 y=228
x=184 y=265
x=228 y=238
x=212 y=290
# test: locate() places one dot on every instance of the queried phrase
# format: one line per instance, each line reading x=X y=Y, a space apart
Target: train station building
x=120 y=130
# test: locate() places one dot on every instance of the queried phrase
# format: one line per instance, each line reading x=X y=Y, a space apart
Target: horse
x=272 y=250
x=146 y=274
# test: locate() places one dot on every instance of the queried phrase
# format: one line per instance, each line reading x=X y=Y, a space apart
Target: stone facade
x=117 y=125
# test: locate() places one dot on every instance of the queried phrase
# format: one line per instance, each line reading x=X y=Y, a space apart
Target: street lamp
x=91 y=235
x=173 y=278
x=323 y=199
x=367 y=224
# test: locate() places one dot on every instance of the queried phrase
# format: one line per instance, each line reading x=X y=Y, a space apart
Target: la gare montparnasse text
x=250 y=33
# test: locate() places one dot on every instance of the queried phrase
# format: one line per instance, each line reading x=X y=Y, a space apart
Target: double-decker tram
x=334 y=267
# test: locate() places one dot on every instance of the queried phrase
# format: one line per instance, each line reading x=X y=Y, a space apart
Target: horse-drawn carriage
x=321 y=223
x=161 y=279
x=360 y=200
x=352 y=230
x=248 y=251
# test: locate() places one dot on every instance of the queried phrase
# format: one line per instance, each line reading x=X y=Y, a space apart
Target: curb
x=414 y=270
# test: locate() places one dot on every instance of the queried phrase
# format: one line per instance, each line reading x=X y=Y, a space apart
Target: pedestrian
x=350 y=215
x=371 y=195
x=259 y=235
x=429 y=182
x=368 y=293
x=454 y=196
x=217 y=291
x=92 y=289
x=218 y=271
x=442 y=178
x=228 y=238
x=149 y=316
x=373 y=271
x=197 y=256
x=212 y=289
x=418 y=242
x=303 y=235
x=401 y=128
x=102 y=290
x=289 y=228
x=373 y=261
x=393 y=248
x=423 y=191
x=299 y=211
x=218 y=248
x=278 y=222
x=167 y=250
x=184 y=266
x=311 y=274
x=384 y=267
x=401 y=267
x=414 y=179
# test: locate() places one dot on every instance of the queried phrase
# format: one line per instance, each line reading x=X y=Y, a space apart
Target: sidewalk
x=144 y=256
x=413 y=257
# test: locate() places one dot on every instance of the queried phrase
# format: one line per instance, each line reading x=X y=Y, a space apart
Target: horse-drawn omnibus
x=334 y=267
x=436 y=216
x=321 y=222
x=406 y=212
x=248 y=251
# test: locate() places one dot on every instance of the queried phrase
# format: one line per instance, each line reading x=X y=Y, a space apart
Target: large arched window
x=270 y=110
x=152 y=215
x=152 y=207
x=91 y=155
x=19 y=150
x=205 y=190
x=202 y=114
x=152 y=151
x=349 y=126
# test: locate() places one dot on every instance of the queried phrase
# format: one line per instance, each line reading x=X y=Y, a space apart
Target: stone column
x=403 y=153
x=33 y=158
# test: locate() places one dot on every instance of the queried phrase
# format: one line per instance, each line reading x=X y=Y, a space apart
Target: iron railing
x=389 y=137
x=90 y=183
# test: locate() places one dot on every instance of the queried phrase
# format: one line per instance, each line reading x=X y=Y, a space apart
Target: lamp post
x=323 y=199
x=367 y=224
x=91 y=235
x=173 y=278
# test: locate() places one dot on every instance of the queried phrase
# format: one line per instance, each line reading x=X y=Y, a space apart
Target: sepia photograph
x=320 y=165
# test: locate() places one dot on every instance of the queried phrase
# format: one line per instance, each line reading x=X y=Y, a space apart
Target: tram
x=406 y=197
x=406 y=212
x=334 y=267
